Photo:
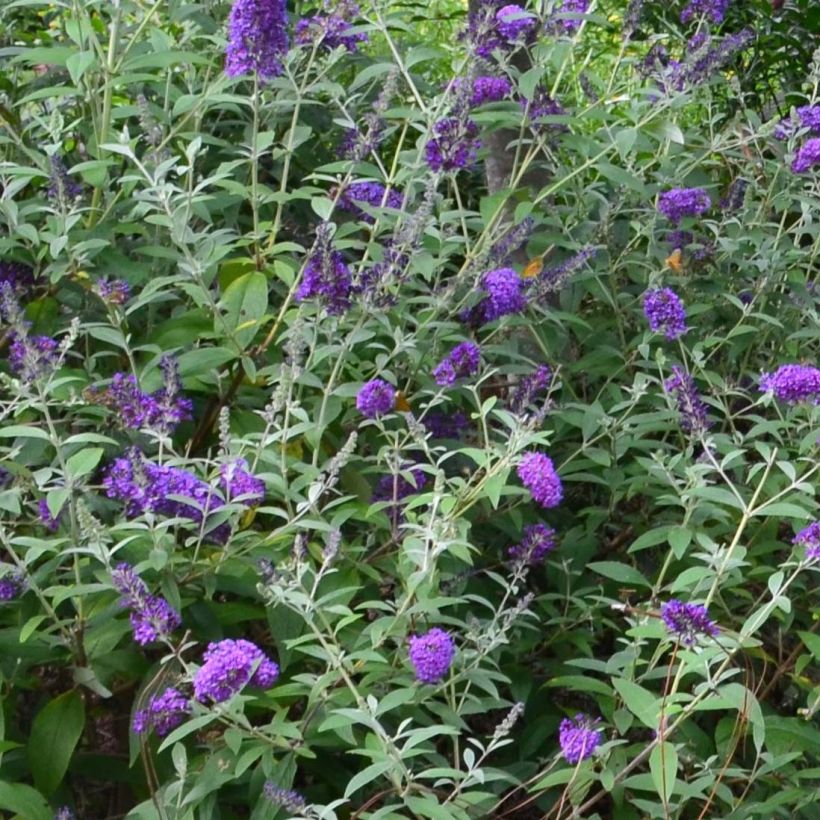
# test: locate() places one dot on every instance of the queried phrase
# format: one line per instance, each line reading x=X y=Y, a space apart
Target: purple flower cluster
x=164 y=713
x=513 y=23
x=504 y=291
x=501 y=250
x=687 y=621
x=162 y=410
x=446 y=425
x=239 y=485
x=376 y=398
x=228 y=666
x=572 y=24
x=681 y=202
x=396 y=487
x=485 y=88
x=808 y=155
x=462 y=361
x=431 y=655
x=807 y=116
x=537 y=542
x=257 y=38
x=705 y=56
x=11 y=586
x=374 y=194
x=809 y=537
x=113 y=291
x=552 y=279
x=454 y=144
x=49 y=521
x=538 y=475
x=735 y=196
x=331 y=29
x=541 y=105
x=287 y=799
x=152 y=617
x=579 y=738
x=665 y=312
x=690 y=407
x=147 y=487
x=32 y=357
x=326 y=277
x=528 y=388
x=793 y=383
x=715 y=10
x=61 y=187
x=16 y=276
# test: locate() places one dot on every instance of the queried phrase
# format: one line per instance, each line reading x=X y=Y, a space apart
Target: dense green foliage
x=215 y=199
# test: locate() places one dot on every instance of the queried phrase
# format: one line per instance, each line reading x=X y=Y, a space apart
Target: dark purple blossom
x=228 y=666
x=735 y=196
x=431 y=655
x=513 y=23
x=257 y=38
x=704 y=58
x=809 y=537
x=50 y=522
x=807 y=156
x=163 y=490
x=61 y=187
x=537 y=542
x=376 y=398
x=17 y=276
x=240 y=485
x=681 y=202
x=163 y=714
x=524 y=393
x=551 y=279
x=503 y=249
x=396 y=487
x=11 y=586
x=793 y=383
x=690 y=407
x=807 y=116
x=537 y=473
x=715 y=10
x=462 y=361
x=572 y=24
x=113 y=291
x=454 y=144
x=542 y=105
x=485 y=88
x=32 y=357
x=152 y=618
x=287 y=799
x=446 y=425
x=687 y=621
x=665 y=312
x=326 y=276
x=331 y=29
x=579 y=738
x=374 y=194
x=504 y=291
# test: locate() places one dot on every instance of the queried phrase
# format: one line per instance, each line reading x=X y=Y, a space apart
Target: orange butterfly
x=675 y=260
x=533 y=268
x=402 y=405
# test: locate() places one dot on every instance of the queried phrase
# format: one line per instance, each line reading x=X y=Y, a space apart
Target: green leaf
x=641 y=702
x=54 y=735
x=24 y=800
x=84 y=462
x=663 y=765
x=77 y=64
x=243 y=304
x=623 y=573
x=367 y=775
x=23 y=431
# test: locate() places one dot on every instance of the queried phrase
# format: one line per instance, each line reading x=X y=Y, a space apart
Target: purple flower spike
x=431 y=655
x=504 y=291
x=715 y=10
x=257 y=38
x=793 y=384
x=229 y=666
x=326 y=277
x=376 y=398
x=454 y=144
x=446 y=425
x=538 y=475
x=681 y=202
x=538 y=541
x=164 y=713
x=665 y=312
x=513 y=22
x=807 y=157
x=809 y=537
x=578 y=738
x=528 y=388
x=690 y=407
x=573 y=7
x=462 y=361
x=152 y=618
x=287 y=799
x=332 y=29
x=238 y=483
x=687 y=621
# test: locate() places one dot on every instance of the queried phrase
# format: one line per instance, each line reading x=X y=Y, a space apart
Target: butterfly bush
x=408 y=410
